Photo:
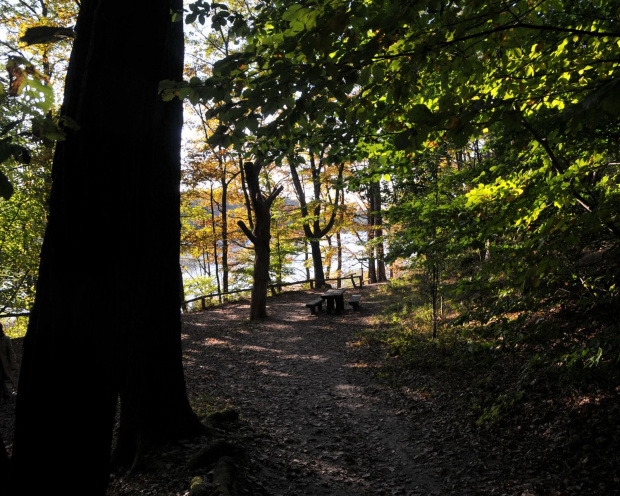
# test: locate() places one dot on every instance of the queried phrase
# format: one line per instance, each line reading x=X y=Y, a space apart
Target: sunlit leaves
x=534 y=83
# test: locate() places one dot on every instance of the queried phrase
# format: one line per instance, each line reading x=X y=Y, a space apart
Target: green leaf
x=293 y=13
x=420 y=114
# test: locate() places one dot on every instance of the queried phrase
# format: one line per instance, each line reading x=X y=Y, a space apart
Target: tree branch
x=247 y=232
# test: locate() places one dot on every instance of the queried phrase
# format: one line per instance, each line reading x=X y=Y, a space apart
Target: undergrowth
x=505 y=366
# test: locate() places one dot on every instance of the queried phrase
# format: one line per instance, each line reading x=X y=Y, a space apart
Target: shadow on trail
x=323 y=425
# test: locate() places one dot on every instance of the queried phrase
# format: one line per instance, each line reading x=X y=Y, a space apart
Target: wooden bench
x=314 y=305
x=354 y=301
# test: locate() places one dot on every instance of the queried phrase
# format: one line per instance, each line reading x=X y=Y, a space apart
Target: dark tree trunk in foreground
x=260 y=237
x=106 y=319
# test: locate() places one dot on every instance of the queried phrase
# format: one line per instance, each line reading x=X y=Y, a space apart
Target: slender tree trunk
x=279 y=261
x=306 y=258
x=224 y=213
x=214 y=231
x=378 y=234
x=339 y=248
x=372 y=273
x=435 y=295
x=115 y=199
x=329 y=256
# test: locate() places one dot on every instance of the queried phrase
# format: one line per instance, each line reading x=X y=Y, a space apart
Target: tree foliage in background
x=534 y=81
x=34 y=54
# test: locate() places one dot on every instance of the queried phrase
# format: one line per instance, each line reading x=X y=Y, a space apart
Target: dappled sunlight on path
x=326 y=427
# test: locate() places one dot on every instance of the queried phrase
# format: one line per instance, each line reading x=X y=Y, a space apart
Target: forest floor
x=317 y=417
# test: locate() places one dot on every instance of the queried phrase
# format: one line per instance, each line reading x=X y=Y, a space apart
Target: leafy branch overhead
x=407 y=72
x=531 y=86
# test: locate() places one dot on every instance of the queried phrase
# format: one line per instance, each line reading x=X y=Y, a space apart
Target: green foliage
x=534 y=83
x=22 y=223
x=198 y=286
x=15 y=327
x=502 y=367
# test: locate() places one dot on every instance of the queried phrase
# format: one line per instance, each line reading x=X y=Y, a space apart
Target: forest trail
x=323 y=424
x=315 y=420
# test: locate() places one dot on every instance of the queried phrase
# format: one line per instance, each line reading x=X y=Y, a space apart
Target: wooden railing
x=276 y=286
x=273 y=287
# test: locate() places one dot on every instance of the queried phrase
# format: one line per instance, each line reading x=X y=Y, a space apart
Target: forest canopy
x=491 y=127
x=496 y=124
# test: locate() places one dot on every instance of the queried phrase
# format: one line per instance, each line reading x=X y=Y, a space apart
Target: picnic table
x=334 y=298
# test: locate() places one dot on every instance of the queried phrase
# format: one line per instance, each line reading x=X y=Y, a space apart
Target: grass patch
x=204 y=405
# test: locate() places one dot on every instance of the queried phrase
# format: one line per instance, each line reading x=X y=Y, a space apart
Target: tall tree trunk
x=378 y=234
x=224 y=213
x=339 y=248
x=260 y=237
x=434 y=283
x=279 y=270
x=115 y=199
x=214 y=231
x=370 y=250
x=260 y=284
x=317 y=263
x=306 y=258
x=329 y=256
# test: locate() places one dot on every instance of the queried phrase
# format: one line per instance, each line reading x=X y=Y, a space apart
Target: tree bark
x=224 y=213
x=306 y=256
x=317 y=262
x=375 y=189
x=339 y=248
x=115 y=199
x=370 y=250
x=215 y=250
x=260 y=237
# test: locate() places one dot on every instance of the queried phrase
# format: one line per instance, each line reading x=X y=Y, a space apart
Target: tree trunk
x=260 y=285
x=214 y=231
x=339 y=247
x=329 y=256
x=378 y=234
x=260 y=237
x=317 y=263
x=306 y=258
x=224 y=213
x=115 y=200
x=370 y=250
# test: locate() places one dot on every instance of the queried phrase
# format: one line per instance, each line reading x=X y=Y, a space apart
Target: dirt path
x=315 y=421
x=328 y=428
